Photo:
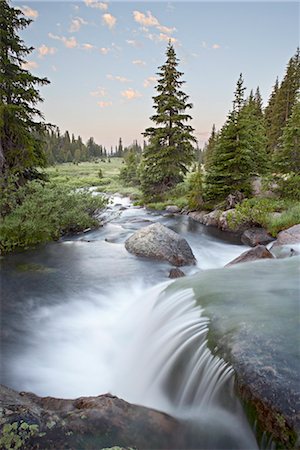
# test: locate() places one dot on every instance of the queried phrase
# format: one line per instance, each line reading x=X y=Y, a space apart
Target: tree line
x=254 y=141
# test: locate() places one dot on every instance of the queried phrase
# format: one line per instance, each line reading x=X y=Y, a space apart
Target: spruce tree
x=210 y=148
x=287 y=157
x=281 y=103
x=21 y=123
x=232 y=162
x=170 y=152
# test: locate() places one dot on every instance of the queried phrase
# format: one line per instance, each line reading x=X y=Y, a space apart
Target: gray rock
x=176 y=273
x=159 y=242
x=258 y=252
x=212 y=218
x=198 y=215
x=289 y=236
x=173 y=209
x=29 y=421
x=256 y=236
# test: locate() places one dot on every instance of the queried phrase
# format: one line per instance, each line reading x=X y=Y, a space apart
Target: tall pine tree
x=170 y=151
x=21 y=150
x=233 y=161
x=281 y=103
x=210 y=148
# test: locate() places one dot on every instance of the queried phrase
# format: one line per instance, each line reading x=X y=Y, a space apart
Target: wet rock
x=289 y=236
x=29 y=421
x=176 y=273
x=212 y=218
x=198 y=215
x=258 y=252
x=159 y=242
x=256 y=236
x=173 y=209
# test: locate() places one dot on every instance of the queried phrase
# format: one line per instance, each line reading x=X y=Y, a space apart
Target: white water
x=101 y=328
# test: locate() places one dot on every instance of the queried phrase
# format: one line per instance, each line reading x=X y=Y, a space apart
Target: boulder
x=198 y=215
x=29 y=421
x=258 y=252
x=159 y=242
x=234 y=199
x=256 y=236
x=173 y=209
x=212 y=218
x=176 y=273
x=289 y=236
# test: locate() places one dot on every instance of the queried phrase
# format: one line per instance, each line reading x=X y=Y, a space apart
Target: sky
x=102 y=59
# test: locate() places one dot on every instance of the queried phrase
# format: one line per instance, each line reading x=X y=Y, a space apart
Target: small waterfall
x=167 y=365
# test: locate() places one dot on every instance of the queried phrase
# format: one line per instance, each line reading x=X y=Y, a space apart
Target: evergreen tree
x=21 y=123
x=210 y=148
x=120 y=148
x=170 y=152
x=195 y=195
x=281 y=103
x=232 y=163
x=287 y=157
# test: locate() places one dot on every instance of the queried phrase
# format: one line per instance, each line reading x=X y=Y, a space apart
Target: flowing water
x=83 y=317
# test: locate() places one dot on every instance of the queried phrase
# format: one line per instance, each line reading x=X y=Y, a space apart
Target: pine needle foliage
x=167 y=157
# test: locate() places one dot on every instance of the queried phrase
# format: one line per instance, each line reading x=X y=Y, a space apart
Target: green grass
x=46 y=213
x=86 y=174
x=260 y=211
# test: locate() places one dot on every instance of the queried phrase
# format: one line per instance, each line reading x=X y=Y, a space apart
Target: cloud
x=131 y=94
x=29 y=12
x=68 y=42
x=76 y=24
x=148 y=20
x=100 y=92
x=216 y=46
x=165 y=38
x=149 y=81
x=133 y=42
x=109 y=20
x=145 y=20
x=104 y=50
x=96 y=4
x=168 y=30
x=88 y=46
x=118 y=78
x=104 y=104
x=30 y=65
x=54 y=68
x=44 y=51
x=139 y=62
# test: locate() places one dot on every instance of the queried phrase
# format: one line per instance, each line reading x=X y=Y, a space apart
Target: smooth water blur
x=82 y=316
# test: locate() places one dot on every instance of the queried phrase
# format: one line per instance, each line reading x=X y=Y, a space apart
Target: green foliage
x=130 y=173
x=14 y=435
x=289 y=186
x=209 y=149
x=287 y=155
x=20 y=121
x=170 y=152
x=259 y=211
x=240 y=149
x=281 y=103
x=287 y=219
x=47 y=212
x=195 y=195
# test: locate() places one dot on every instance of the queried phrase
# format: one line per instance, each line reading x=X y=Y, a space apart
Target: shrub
x=46 y=213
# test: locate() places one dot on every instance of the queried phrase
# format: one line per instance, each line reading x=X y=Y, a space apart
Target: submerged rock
x=159 y=242
x=258 y=252
x=176 y=273
x=29 y=421
x=256 y=236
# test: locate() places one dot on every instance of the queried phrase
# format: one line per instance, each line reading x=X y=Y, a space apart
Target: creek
x=82 y=316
